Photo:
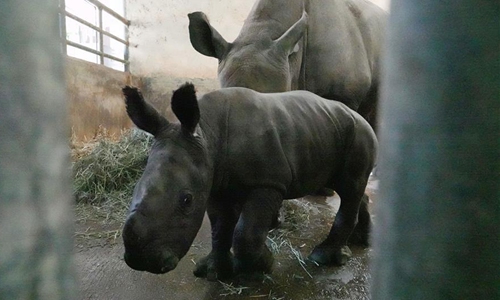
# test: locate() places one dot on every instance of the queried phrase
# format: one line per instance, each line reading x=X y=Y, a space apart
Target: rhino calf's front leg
x=251 y=254
x=223 y=214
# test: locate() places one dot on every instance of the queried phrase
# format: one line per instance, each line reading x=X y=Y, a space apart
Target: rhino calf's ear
x=144 y=116
x=185 y=106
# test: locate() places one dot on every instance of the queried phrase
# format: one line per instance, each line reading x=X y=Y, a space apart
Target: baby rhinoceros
x=237 y=154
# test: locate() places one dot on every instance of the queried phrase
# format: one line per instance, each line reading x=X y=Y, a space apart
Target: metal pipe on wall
x=35 y=182
x=437 y=229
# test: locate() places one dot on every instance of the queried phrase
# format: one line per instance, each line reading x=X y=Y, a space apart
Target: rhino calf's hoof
x=325 y=255
x=214 y=267
x=250 y=264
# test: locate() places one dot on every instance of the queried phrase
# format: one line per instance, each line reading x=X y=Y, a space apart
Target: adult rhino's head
x=254 y=60
x=169 y=200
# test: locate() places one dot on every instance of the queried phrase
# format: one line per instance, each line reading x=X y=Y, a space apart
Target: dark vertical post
x=438 y=233
x=35 y=188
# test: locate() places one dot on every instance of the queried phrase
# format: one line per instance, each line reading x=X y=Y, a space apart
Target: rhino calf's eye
x=186 y=200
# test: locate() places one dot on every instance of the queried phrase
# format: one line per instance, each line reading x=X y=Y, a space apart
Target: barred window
x=95 y=31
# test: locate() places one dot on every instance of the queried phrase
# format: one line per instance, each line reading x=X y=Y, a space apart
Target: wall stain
x=96 y=101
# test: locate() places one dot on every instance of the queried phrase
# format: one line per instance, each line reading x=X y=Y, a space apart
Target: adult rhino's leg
x=368 y=109
x=223 y=214
x=250 y=251
x=361 y=234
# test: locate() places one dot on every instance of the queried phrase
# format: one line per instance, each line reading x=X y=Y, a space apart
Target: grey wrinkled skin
x=238 y=154
x=329 y=47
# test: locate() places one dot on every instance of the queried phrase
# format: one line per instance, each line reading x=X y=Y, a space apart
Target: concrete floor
x=103 y=274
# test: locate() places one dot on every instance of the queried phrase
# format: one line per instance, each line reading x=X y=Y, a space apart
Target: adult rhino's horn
x=144 y=116
x=291 y=37
x=185 y=106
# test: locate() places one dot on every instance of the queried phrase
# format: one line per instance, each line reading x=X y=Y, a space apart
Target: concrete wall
x=159 y=35
x=94 y=95
x=95 y=99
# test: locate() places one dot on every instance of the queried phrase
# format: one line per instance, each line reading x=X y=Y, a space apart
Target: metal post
x=438 y=211
x=35 y=188
x=127 y=38
x=62 y=25
x=101 y=36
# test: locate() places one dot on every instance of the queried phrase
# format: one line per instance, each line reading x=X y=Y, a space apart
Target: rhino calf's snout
x=141 y=253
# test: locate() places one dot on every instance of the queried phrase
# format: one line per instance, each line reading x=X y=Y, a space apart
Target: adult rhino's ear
x=204 y=38
x=185 y=106
x=288 y=41
x=144 y=116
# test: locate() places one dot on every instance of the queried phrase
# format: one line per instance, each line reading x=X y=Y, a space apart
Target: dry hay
x=106 y=171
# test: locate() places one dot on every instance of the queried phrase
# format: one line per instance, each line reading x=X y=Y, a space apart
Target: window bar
x=110 y=11
x=96 y=52
x=80 y=20
x=101 y=36
x=127 y=64
x=62 y=25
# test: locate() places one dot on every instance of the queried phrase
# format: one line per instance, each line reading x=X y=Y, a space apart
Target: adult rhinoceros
x=333 y=50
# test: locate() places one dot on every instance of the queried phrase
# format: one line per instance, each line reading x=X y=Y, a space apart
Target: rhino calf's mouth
x=161 y=263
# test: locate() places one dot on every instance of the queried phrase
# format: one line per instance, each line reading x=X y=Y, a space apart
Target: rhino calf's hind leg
x=217 y=265
x=350 y=184
x=259 y=210
x=334 y=249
